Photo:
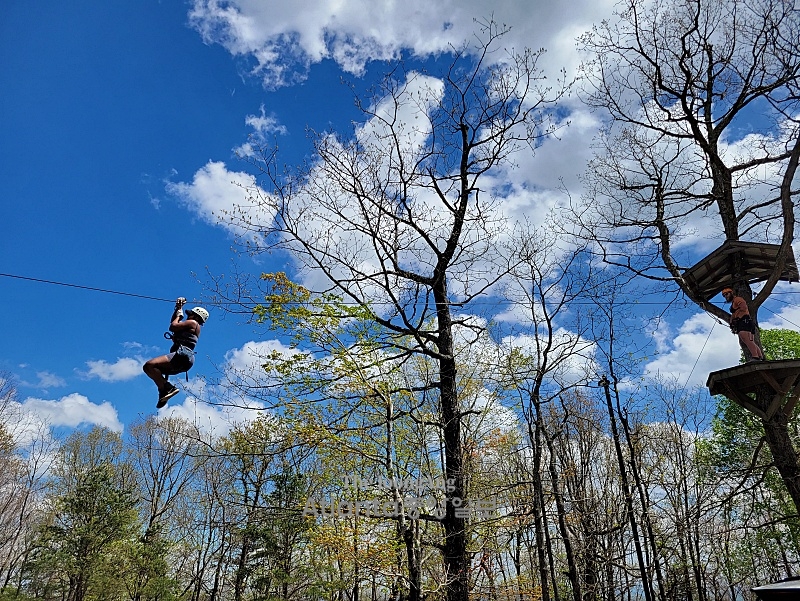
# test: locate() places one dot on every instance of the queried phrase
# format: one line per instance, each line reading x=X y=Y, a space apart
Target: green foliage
x=147 y=569
x=728 y=456
x=12 y=594
x=780 y=344
x=291 y=308
x=283 y=535
x=81 y=549
x=736 y=431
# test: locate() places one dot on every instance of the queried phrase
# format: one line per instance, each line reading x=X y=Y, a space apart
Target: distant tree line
x=629 y=499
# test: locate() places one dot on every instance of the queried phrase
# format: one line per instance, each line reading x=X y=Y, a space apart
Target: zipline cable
x=166 y=300
x=782 y=317
x=217 y=303
x=22 y=277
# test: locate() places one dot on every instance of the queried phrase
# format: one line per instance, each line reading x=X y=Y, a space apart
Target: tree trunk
x=644 y=500
x=538 y=508
x=456 y=559
x=626 y=489
x=241 y=570
x=572 y=568
x=455 y=546
x=412 y=551
x=776 y=433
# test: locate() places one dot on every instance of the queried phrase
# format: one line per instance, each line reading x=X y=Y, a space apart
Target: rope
x=782 y=317
x=22 y=277
x=167 y=300
x=689 y=377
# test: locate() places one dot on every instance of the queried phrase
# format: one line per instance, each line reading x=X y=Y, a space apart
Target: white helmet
x=200 y=312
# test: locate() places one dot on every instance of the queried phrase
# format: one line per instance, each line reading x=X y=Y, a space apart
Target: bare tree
x=395 y=222
x=548 y=278
x=23 y=472
x=681 y=81
x=164 y=454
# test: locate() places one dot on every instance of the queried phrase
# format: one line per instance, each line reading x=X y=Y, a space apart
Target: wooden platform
x=741 y=383
x=783 y=589
x=715 y=272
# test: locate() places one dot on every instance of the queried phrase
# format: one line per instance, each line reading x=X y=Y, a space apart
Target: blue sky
x=119 y=123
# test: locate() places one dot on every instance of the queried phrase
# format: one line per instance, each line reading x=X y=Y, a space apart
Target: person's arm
x=176 y=321
x=179 y=324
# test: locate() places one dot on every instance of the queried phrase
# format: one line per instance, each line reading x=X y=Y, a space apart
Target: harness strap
x=170 y=336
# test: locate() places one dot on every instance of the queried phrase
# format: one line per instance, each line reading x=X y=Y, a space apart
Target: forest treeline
x=640 y=495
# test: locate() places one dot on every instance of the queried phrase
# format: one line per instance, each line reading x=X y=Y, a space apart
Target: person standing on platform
x=742 y=324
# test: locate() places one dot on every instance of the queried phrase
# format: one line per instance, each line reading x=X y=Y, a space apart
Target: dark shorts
x=180 y=361
x=744 y=324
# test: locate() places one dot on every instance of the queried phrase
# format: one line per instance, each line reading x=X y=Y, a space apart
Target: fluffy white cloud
x=71 y=411
x=216 y=195
x=571 y=358
x=786 y=314
x=124 y=368
x=213 y=419
x=283 y=38
x=326 y=217
x=253 y=354
x=701 y=345
x=352 y=32
x=215 y=409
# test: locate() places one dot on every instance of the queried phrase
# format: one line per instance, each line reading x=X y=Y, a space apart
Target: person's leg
x=155 y=369
x=748 y=340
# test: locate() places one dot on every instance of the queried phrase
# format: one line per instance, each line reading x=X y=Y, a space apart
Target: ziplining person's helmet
x=200 y=312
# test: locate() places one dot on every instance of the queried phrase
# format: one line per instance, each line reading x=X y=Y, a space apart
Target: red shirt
x=739 y=308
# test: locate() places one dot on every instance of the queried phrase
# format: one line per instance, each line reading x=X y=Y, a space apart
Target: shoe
x=169 y=392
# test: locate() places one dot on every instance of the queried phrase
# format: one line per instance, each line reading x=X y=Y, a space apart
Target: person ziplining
x=742 y=324
x=184 y=334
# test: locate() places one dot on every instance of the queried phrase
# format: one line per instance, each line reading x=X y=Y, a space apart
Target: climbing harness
x=183 y=356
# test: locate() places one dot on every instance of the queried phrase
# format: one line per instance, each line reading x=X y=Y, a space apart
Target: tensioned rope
x=782 y=317
x=92 y=288
x=689 y=377
x=166 y=300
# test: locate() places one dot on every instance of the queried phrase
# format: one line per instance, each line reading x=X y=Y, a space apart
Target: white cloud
x=280 y=37
x=44 y=380
x=216 y=195
x=571 y=357
x=71 y=411
x=253 y=354
x=216 y=409
x=263 y=126
x=701 y=345
x=123 y=369
x=284 y=39
x=215 y=420
x=491 y=416
x=787 y=318
x=49 y=380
